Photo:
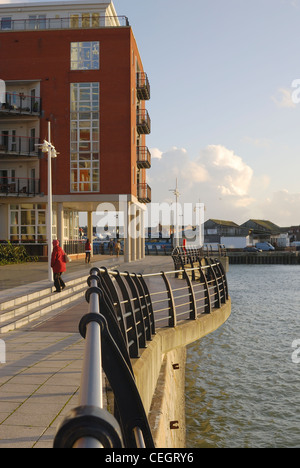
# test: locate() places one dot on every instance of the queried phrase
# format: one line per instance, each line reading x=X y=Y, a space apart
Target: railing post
x=130 y=319
x=209 y=262
x=137 y=311
x=207 y=295
x=173 y=318
x=193 y=313
x=223 y=282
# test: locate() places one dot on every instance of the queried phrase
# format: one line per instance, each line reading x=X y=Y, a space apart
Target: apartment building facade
x=77 y=66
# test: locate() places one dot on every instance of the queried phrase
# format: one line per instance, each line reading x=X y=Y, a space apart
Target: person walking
x=58 y=266
x=118 y=248
x=111 y=247
x=88 y=250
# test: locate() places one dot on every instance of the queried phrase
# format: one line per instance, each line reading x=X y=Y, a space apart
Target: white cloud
x=218 y=177
x=283 y=98
x=224 y=183
x=231 y=174
x=156 y=153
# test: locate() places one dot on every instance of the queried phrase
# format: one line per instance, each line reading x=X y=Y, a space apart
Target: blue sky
x=225 y=121
x=223 y=117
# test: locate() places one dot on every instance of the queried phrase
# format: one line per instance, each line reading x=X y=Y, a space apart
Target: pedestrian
x=118 y=248
x=58 y=265
x=111 y=247
x=88 y=250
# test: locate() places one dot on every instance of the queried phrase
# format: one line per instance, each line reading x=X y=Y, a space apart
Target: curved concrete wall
x=147 y=368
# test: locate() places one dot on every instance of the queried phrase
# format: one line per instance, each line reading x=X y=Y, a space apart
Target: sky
x=225 y=103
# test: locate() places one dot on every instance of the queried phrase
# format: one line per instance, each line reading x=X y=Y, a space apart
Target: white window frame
x=85 y=55
x=84 y=154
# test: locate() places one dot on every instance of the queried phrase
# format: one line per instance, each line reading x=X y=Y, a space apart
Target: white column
x=138 y=234
x=90 y=229
x=60 y=223
x=142 y=234
x=132 y=231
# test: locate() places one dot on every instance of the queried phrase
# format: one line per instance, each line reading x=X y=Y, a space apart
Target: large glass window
x=85 y=55
x=85 y=138
x=28 y=223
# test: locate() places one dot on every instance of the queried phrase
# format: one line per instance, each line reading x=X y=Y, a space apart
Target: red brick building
x=77 y=65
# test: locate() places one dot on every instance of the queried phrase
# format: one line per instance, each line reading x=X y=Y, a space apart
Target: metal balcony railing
x=144 y=193
x=126 y=310
x=15 y=186
x=142 y=86
x=143 y=157
x=143 y=122
x=20 y=103
x=74 y=22
x=19 y=145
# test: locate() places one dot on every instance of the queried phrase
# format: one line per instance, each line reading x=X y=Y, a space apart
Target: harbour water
x=243 y=380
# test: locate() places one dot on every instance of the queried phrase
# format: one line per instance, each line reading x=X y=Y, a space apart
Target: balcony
x=19 y=103
x=142 y=86
x=13 y=145
x=143 y=122
x=77 y=21
x=21 y=187
x=144 y=193
x=143 y=157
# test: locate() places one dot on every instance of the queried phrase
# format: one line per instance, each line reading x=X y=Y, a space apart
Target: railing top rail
x=148 y=275
x=45 y=24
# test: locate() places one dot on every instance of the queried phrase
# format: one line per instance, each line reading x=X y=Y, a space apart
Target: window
x=85 y=56
x=85 y=137
x=27 y=223
x=37 y=21
x=85 y=20
x=6 y=22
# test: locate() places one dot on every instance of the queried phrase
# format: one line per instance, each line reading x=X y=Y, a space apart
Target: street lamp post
x=47 y=147
x=176 y=233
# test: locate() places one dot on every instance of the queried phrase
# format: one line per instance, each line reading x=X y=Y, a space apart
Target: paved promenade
x=40 y=380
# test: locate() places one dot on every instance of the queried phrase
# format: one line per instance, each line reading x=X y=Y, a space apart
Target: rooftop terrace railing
x=75 y=22
x=125 y=312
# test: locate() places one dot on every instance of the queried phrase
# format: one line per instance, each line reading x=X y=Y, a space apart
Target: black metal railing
x=142 y=86
x=19 y=186
x=74 y=246
x=143 y=157
x=143 y=122
x=144 y=193
x=21 y=103
x=125 y=312
x=183 y=256
x=74 y=22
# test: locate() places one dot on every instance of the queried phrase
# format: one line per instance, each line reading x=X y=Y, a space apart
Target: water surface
x=242 y=386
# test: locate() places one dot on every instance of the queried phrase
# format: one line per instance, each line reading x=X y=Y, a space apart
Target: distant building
x=214 y=229
x=263 y=230
x=77 y=65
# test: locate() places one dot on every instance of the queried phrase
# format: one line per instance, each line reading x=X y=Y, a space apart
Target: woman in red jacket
x=58 y=265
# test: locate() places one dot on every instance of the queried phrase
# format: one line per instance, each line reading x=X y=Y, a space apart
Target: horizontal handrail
x=122 y=318
x=171 y=297
x=15 y=144
x=19 y=186
x=73 y=22
x=22 y=103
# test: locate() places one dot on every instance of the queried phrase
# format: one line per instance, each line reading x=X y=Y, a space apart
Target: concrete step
x=22 y=310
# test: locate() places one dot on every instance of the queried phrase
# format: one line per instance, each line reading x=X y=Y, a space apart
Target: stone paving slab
x=40 y=381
